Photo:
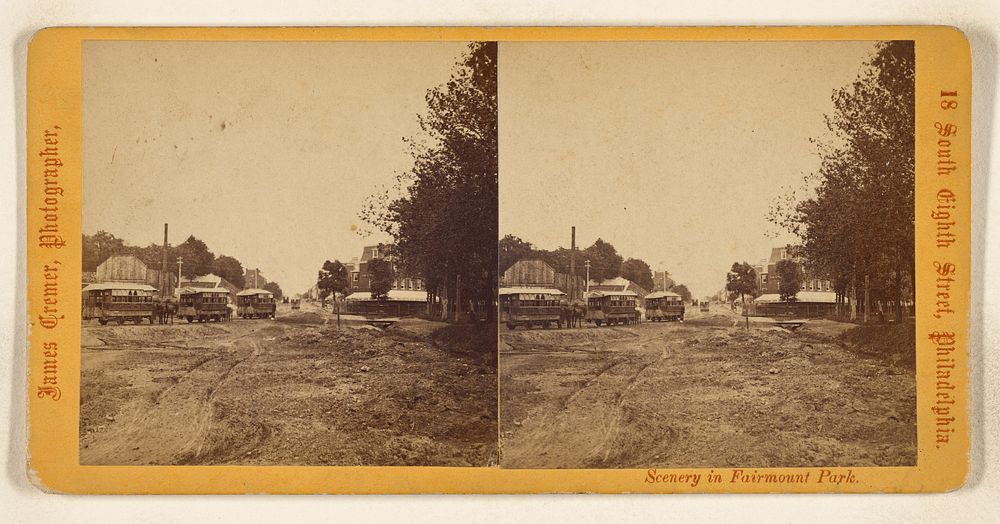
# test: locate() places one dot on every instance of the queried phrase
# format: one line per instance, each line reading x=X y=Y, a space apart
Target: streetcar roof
x=662 y=294
x=594 y=294
x=196 y=290
x=253 y=291
x=118 y=285
x=529 y=291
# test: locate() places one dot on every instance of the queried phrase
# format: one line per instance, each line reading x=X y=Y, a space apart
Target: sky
x=264 y=150
x=671 y=151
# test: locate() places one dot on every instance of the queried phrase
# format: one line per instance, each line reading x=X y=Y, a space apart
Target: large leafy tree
x=98 y=247
x=152 y=256
x=510 y=250
x=332 y=278
x=683 y=291
x=790 y=276
x=638 y=271
x=197 y=258
x=741 y=281
x=381 y=276
x=858 y=228
x=230 y=269
x=275 y=289
x=444 y=222
x=605 y=262
x=559 y=259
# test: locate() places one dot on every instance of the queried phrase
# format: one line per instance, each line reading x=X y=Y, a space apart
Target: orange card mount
x=498 y=260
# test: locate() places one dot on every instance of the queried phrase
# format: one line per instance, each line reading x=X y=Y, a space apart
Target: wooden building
x=538 y=273
x=128 y=268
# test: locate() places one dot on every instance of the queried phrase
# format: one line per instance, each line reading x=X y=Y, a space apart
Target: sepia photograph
x=289 y=253
x=706 y=255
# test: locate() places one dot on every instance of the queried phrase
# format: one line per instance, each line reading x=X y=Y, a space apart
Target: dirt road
x=291 y=391
x=703 y=393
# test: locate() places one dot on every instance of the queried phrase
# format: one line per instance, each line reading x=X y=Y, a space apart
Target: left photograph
x=289 y=253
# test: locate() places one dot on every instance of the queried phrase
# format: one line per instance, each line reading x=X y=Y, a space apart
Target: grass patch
x=479 y=338
x=895 y=342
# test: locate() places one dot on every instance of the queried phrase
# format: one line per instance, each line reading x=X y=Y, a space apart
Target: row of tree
x=441 y=214
x=857 y=230
x=198 y=259
x=605 y=262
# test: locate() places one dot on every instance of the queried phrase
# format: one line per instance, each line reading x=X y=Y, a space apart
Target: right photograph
x=706 y=254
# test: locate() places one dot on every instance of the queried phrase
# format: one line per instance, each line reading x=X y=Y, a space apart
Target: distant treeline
x=605 y=262
x=198 y=259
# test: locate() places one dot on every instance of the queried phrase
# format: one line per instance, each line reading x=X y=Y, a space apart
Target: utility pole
x=572 y=264
x=164 y=280
x=664 y=279
x=180 y=265
x=587 y=265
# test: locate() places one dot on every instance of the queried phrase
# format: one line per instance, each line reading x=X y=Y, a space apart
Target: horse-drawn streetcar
x=664 y=306
x=119 y=301
x=255 y=303
x=612 y=307
x=204 y=304
x=529 y=307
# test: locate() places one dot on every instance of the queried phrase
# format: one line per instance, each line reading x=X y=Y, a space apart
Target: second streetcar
x=255 y=303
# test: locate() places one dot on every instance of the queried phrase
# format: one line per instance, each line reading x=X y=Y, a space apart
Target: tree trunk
x=746 y=314
x=491 y=306
x=854 y=297
x=458 y=298
x=445 y=297
x=451 y=298
x=867 y=302
x=899 y=296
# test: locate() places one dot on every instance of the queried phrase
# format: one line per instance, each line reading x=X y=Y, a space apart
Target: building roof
x=398 y=295
x=783 y=253
x=382 y=250
x=529 y=291
x=661 y=294
x=813 y=297
x=118 y=285
x=253 y=291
